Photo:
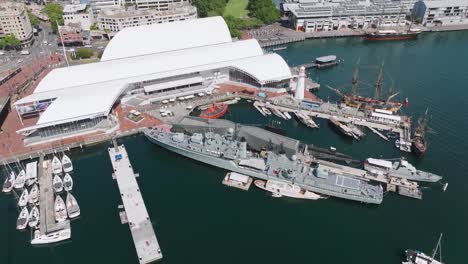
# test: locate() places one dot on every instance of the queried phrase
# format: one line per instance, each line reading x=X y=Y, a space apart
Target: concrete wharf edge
x=143 y=235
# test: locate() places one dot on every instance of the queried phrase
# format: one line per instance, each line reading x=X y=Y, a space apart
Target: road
x=13 y=59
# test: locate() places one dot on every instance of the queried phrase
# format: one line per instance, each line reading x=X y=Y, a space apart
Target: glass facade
x=236 y=75
x=68 y=128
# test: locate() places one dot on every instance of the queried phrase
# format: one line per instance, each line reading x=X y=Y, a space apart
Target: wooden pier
x=146 y=244
x=47 y=224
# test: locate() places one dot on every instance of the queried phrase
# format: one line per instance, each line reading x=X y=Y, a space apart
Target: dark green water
x=199 y=220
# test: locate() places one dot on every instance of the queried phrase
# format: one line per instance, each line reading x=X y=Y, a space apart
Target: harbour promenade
x=145 y=240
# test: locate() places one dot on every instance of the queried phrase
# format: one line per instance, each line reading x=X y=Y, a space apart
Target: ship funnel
x=299 y=92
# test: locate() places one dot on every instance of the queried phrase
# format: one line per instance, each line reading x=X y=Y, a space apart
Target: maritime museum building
x=147 y=64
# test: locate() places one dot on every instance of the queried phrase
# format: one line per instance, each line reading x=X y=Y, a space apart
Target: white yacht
x=67 y=164
x=34 y=194
x=23 y=219
x=67 y=182
x=31 y=173
x=34 y=217
x=57 y=184
x=9 y=182
x=20 y=180
x=56 y=165
x=73 y=208
x=60 y=209
x=24 y=198
x=279 y=189
x=417 y=257
x=50 y=238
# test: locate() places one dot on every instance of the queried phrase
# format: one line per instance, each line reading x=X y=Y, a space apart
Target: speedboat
x=24 y=198
x=34 y=194
x=56 y=165
x=20 y=180
x=60 y=209
x=67 y=163
x=286 y=189
x=9 y=182
x=57 y=183
x=67 y=182
x=73 y=208
x=34 y=217
x=23 y=219
x=50 y=238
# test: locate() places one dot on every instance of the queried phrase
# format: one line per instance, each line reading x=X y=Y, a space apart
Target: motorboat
x=67 y=182
x=34 y=217
x=287 y=115
x=67 y=164
x=73 y=208
x=24 y=198
x=56 y=165
x=34 y=194
x=286 y=189
x=9 y=182
x=265 y=110
x=57 y=184
x=20 y=180
x=23 y=219
x=50 y=238
x=31 y=173
x=60 y=209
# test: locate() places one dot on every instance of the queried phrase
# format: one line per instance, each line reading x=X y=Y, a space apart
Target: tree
x=93 y=27
x=206 y=8
x=33 y=19
x=55 y=13
x=10 y=41
x=83 y=53
x=264 y=10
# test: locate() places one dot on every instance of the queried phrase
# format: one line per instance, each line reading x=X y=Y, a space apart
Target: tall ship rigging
x=369 y=103
x=419 y=137
x=393 y=34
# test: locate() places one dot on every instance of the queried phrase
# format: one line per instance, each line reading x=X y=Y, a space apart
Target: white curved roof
x=164 y=37
x=90 y=90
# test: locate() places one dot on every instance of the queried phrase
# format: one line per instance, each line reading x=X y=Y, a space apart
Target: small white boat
x=266 y=111
x=34 y=194
x=67 y=163
x=31 y=173
x=286 y=189
x=50 y=238
x=56 y=165
x=9 y=182
x=34 y=217
x=23 y=219
x=24 y=198
x=73 y=208
x=57 y=184
x=67 y=182
x=60 y=209
x=20 y=180
x=287 y=115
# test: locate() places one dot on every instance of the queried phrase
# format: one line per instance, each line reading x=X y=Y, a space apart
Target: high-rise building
x=14 y=20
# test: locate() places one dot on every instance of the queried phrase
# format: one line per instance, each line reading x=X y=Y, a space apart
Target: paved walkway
x=146 y=244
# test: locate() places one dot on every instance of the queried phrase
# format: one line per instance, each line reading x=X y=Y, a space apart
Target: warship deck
x=145 y=240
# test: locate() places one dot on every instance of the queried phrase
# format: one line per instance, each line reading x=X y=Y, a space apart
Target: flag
x=406 y=102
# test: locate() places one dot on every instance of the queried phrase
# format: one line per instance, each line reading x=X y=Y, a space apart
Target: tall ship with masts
x=393 y=34
x=369 y=103
x=419 y=136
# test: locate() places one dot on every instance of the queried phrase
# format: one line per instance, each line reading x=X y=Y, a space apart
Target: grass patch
x=236 y=8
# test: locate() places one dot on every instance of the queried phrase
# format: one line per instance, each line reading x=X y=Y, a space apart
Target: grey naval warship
x=400 y=168
x=225 y=152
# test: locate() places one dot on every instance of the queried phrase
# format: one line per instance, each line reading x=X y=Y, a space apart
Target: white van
x=25 y=52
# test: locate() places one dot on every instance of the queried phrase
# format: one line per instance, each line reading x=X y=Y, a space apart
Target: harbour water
x=199 y=220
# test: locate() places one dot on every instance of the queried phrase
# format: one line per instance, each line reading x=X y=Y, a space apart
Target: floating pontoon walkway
x=47 y=224
x=146 y=244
